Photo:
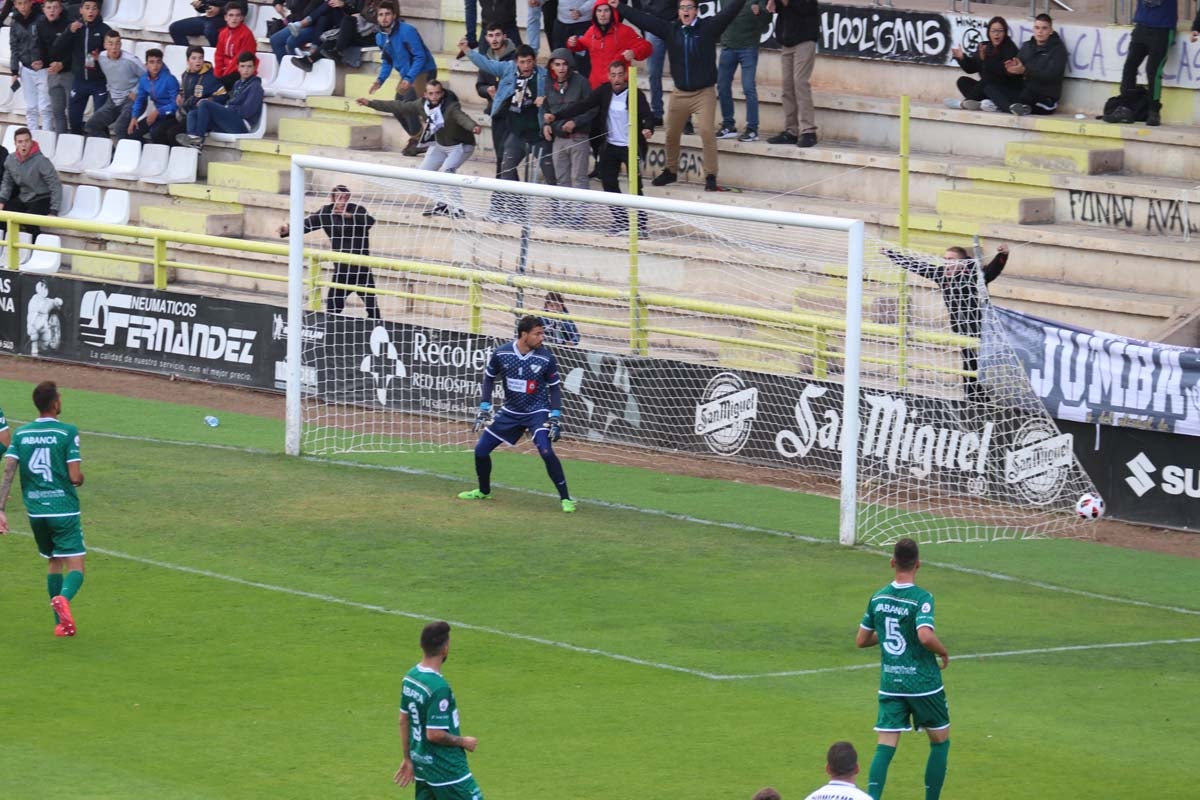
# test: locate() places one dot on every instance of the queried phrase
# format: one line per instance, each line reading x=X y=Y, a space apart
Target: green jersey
x=3 y=428
x=429 y=704
x=43 y=448
x=895 y=612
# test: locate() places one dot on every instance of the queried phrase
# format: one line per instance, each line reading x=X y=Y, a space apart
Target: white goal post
x=758 y=338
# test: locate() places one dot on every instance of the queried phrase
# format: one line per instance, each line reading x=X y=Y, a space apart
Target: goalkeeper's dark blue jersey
x=526 y=378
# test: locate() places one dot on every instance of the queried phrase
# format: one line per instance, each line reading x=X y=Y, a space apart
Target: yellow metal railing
x=814 y=328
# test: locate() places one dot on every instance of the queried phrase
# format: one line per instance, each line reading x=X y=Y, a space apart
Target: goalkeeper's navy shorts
x=508 y=427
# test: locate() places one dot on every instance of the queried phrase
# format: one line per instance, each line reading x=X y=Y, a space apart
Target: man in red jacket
x=608 y=40
x=235 y=39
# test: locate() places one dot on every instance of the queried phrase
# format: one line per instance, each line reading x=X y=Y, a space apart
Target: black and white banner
x=10 y=312
x=1091 y=376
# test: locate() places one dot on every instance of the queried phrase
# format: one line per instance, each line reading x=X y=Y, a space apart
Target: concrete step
x=343 y=108
x=333 y=132
x=195 y=216
x=240 y=175
x=1064 y=155
x=1023 y=208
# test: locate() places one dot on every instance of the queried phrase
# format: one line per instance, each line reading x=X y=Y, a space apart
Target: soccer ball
x=1090 y=506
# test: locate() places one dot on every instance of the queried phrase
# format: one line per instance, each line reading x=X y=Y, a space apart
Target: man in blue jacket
x=1153 y=34
x=692 y=47
x=159 y=86
x=235 y=112
x=404 y=51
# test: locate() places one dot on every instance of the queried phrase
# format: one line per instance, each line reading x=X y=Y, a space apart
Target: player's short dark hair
x=842 y=759
x=22 y=132
x=905 y=553
x=93 y=2
x=766 y=793
x=495 y=26
x=618 y=65
x=247 y=56
x=111 y=34
x=154 y=52
x=1044 y=18
x=961 y=252
x=341 y=188
x=525 y=51
x=435 y=82
x=231 y=5
x=195 y=48
x=434 y=637
x=390 y=5
x=44 y=395
x=528 y=323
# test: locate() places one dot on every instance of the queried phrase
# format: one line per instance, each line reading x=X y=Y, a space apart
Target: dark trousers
x=353 y=275
x=499 y=134
x=471 y=17
x=38 y=205
x=229 y=80
x=82 y=91
x=109 y=119
x=1040 y=103
x=519 y=145
x=1149 y=45
x=208 y=27
x=612 y=156
x=161 y=132
x=972 y=89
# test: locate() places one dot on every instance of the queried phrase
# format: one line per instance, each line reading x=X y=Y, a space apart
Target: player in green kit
x=47 y=453
x=899 y=618
x=434 y=751
x=5 y=433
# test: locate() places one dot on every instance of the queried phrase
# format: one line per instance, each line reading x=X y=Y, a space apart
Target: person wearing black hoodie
x=84 y=40
x=692 y=46
x=1042 y=62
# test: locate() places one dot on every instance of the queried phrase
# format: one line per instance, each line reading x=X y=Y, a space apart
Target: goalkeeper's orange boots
x=65 y=620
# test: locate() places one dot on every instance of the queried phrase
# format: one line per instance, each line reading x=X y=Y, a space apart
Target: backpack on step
x=1128 y=107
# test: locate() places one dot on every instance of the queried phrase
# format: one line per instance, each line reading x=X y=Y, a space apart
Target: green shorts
x=58 y=536
x=463 y=790
x=927 y=712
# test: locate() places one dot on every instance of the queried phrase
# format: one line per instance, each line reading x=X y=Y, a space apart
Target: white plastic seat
x=96 y=154
x=153 y=161
x=108 y=9
x=258 y=132
x=288 y=78
x=318 y=83
x=161 y=13
x=85 y=204
x=115 y=208
x=181 y=167
x=10 y=101
x=46 y=140
x=268 y=65
x=124 y=162
x=67 y=150
x=175 y=59
x=10 y=136
x=68 y=198
x=129 y=15
x=23 y=255
x=141 y=48
x=5 y=51
x=44 y=262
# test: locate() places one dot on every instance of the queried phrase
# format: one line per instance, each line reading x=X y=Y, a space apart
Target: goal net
x=708 y=338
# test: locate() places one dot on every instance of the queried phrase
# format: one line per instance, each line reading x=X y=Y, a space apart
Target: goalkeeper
x=532 y=402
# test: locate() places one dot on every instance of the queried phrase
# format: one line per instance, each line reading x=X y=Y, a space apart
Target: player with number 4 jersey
x=899 y=618
x=528 y=372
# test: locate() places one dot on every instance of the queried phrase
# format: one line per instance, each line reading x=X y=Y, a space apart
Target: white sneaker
x=954 y=102
x=971 y=105
x=988 y=105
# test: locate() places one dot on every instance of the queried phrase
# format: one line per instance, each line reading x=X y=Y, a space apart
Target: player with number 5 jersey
x=528 y=372
x=899 y=618
x=47 y=453
x=435 y=752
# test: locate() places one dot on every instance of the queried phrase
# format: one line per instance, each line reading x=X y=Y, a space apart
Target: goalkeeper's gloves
x=484 y=417
x=553 y=425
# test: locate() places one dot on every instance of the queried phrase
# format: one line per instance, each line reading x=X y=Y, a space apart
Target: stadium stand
x=43 y=262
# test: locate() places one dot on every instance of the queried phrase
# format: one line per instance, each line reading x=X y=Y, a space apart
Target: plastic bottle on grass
x=211 y=421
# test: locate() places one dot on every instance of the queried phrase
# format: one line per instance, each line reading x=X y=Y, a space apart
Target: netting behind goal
x=698 y=343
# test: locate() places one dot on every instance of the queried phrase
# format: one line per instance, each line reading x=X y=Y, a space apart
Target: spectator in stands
x=739 y=46
x=493 y=12
x=228 y=112
x=28 y=70
x=519 y=99
x=357 y=30
x=122 y=71
x=611 y=127
x=486 y=83
x=959 y=280
x=448 y=132
x=324 y=17
x=158 y=88
x=558 y=329
x=196 y=84
x=50 y=31
x=607 y=40
x=797 y=28
x=569 y=135
x=208 y=22
x=996 y=89
x=286 y=39
x=30 y=184
x=692 y=45
x=234 y=40
x=1154 y=24
x=666 y=11
x=348 y=226
x=841 y=765
x=573 y=18
x=1042 y=62
x=403 y=50
x=85 y=41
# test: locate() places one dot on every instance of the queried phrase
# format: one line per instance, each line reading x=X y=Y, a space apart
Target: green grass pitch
x=247 y=618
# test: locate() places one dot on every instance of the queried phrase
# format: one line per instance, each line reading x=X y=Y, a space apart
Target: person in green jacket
x=739 y=47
